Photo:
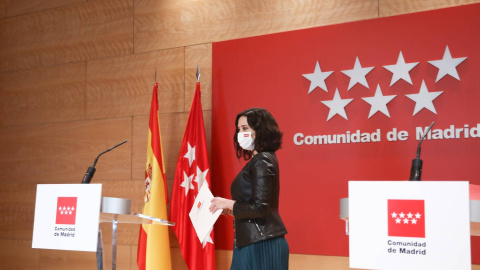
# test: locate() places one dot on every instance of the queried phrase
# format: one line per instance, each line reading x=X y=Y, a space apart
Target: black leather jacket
x=256 y=190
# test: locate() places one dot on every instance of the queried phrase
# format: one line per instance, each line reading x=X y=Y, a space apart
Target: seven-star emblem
x=406 y=218
x=424 y=99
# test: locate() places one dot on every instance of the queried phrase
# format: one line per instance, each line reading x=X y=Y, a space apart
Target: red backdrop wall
x=266 y=71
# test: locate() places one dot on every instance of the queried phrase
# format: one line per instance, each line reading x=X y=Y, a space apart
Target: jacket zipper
x=258 y=228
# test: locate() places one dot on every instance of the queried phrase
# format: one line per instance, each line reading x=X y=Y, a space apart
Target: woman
x=259 y=241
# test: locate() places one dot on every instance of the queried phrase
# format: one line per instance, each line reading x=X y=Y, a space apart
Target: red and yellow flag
x=153 y=242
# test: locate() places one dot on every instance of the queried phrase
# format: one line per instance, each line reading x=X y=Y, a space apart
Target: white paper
x=200 y=215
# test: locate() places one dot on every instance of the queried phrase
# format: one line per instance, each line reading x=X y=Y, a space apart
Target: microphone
x=91 y=170
x=417 y=163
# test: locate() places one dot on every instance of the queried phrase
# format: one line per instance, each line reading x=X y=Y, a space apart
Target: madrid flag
x=153 y=243
x=191 y=173
x=406 y=218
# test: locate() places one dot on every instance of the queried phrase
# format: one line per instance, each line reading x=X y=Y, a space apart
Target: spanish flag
x=153 y=243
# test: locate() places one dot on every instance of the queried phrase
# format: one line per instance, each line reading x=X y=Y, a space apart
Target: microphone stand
x=91 y=170
x=86 y=180
x=417 y=163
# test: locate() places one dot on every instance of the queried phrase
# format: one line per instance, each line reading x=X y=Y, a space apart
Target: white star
x=337 y=105
x=398 y=220
x=400 y=70
x=402 y=215
x=201 y=177
x=317 y=78
x=394 y=215
x=410 y=215
x=414 y=221
x=357 y=74
x=418 y=216
x=379 y=102
x=447 y=65
x=190 y=154
x=405 y=221
x=187 y=183
x=424 y=99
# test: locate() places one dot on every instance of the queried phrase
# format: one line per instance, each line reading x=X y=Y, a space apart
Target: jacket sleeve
x=262 y=175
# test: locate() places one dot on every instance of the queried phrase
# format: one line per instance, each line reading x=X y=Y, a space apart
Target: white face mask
x=245 y=140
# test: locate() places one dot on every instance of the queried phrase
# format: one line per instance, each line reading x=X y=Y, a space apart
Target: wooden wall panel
x=127 y=189
x=51 y=94
x=200 y=55
x=18 y=255
x=178 y=263
x=173 y=23
x=133 y=256
x=301 y=261
x=17 y=204
x=223 y=259
x=396 y=7
x=65 y=259
x=44 y=134
x=122 y=86
x=123 y=257
x=86 y=31
x=3 y=8
x=63 y=152
x=19 y=7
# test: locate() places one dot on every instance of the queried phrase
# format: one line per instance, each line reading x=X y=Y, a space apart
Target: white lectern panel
x=409 y=225
x=66 y=217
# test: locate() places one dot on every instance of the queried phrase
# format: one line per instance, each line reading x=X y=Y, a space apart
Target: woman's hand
x=221 y=203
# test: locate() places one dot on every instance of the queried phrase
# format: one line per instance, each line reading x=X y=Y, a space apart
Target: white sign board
x=66 y=217
x=409 y=225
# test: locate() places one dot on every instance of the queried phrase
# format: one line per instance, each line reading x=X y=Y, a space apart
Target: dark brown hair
x=268 y=137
